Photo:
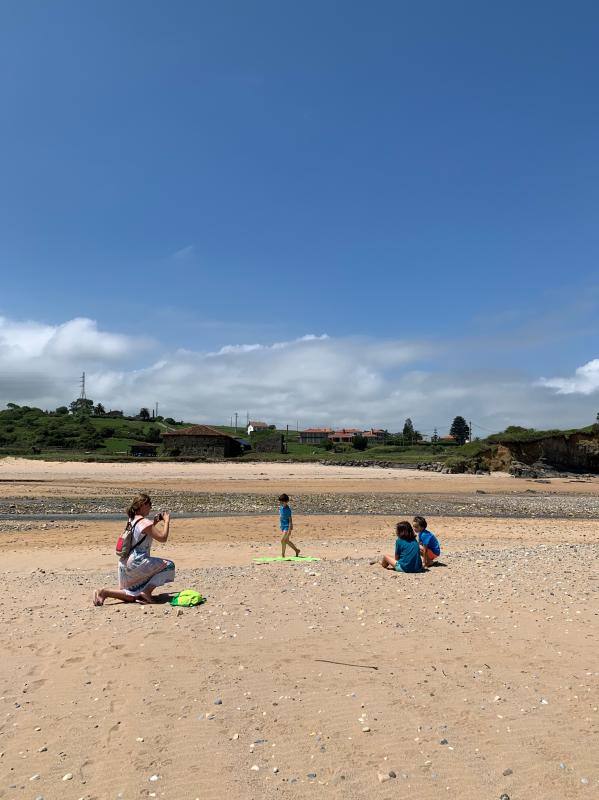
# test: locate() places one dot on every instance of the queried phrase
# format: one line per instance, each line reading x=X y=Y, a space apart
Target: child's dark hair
x=283 y=498
x=405 y=531
x=421 y=522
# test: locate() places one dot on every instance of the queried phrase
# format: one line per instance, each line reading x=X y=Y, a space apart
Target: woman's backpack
x=124 y=544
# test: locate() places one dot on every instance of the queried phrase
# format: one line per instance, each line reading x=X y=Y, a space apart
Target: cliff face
x=575 y=452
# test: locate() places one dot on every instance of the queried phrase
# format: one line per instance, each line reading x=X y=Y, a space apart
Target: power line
x=488 y=430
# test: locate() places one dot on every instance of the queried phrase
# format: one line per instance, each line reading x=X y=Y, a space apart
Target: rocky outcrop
x=547 y=455
x=456 y=466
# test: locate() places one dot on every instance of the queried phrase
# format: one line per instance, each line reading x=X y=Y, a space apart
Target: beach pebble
x=385 y=776
x=42 y=749
x=504 y=797
x=154 y=778
x=311 y=775
x=235 y=736
x=68 y=776
x=218 y=702
x=443 y=741
x=584 y=780
x=255 y=768
x=366 y=729
x=507 y=772
x=35 y=777
x=275 y=770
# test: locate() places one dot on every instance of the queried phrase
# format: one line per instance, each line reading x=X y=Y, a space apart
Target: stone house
x=375 y=436
x=314 y=435
x=200 y=440
x=344 y=436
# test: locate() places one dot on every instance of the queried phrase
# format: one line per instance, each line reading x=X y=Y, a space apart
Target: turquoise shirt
x=407 y=555
x=284 y=517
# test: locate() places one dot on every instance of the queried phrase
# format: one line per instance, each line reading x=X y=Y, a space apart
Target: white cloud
x=41 y=364
x=73 y=340
x=316 y=379
x=184 y=253
x=584 y=381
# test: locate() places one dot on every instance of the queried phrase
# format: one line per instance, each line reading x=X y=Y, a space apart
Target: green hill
x=59 y=434
x=30 y=431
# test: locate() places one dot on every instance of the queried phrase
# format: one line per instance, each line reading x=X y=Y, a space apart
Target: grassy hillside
x=60 y=435
x=35 y=433
x=517 y=434
x=31 y=431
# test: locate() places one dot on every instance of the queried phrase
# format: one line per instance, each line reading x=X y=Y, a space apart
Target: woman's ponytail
x=138 y=501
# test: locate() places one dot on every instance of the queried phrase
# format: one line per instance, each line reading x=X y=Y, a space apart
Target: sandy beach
x=331 y=678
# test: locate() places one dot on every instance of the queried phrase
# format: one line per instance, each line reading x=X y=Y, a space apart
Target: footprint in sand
x=33 y=686
x=72 y=660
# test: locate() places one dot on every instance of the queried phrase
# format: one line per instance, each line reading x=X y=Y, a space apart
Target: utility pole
x=236 y=422
x=156 y=409
x=470 y=430
x=82 y=383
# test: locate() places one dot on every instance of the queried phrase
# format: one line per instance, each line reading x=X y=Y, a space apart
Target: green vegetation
x=460 y=430
x=88 y=432
x=515 y=433
x=31 y=431
x=359 y=442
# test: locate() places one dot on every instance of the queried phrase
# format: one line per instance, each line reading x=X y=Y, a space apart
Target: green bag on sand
x=188 y=597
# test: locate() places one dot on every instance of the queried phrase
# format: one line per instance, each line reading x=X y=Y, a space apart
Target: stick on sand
x=345 y=664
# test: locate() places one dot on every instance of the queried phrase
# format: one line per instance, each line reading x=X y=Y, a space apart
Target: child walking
x=286 y=525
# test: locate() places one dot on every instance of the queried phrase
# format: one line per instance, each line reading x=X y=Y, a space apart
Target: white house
x=254 y=425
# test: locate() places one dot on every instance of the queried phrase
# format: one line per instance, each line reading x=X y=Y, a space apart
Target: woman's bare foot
x=145 y=599
x=98 y=598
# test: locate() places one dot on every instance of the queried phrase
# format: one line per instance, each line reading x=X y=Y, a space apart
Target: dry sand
x=486 y=679
x=22 y=476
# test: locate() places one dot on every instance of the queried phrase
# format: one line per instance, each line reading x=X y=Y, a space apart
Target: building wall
x=308 y=437
x=270 y=444
x=209 y=446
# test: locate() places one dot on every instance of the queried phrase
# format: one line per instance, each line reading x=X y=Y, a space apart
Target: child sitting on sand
x=407 y=551
x=286 y=525
x=430 y=549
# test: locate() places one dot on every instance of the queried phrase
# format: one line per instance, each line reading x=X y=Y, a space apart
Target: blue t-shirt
x=407 y=554
x=284 y=517
x=430 y=541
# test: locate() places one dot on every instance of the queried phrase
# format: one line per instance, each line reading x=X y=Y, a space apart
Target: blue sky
x=215 y=174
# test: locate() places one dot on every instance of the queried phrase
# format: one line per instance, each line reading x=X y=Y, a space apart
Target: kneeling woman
x=407 y=551
x=140 y=573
